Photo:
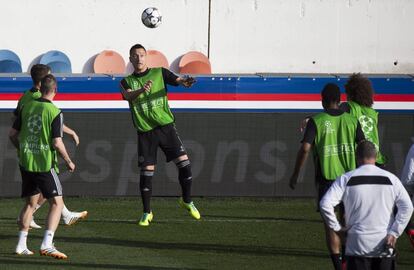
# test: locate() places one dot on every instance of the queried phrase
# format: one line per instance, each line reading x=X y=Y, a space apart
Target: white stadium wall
x=83 y=28
x=240 y=36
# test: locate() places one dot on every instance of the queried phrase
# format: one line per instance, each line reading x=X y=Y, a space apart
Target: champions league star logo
x=328 y=127
x=34 y=123
x=367 y=124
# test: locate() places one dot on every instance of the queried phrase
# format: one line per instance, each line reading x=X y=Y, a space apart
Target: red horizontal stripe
x=225 y=97
x=244 y=97
x=280 y=97
x=10 y=96
x=88 y=96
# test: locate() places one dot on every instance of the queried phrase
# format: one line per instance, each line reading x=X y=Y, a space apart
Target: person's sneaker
x=53 y=252
x=190 y=207
x=24 y=252
x=74 y=217
x=34 y=225
x=145 y=219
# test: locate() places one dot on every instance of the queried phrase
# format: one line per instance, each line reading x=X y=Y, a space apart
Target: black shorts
x=45 y=182
x=165 y=137
x=362 y=263
x=323 y=187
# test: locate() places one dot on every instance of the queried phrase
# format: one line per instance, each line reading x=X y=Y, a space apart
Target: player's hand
x=147 y=86
x=293 y=180
x=70 y=165
x=390 y=241
x=75 y=138
x=303 y=125
x=188 y=81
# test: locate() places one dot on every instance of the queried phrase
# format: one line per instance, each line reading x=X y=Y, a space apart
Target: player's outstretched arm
x=60 y=147
x=186 y=81
x=13 y=136
x=71 y=133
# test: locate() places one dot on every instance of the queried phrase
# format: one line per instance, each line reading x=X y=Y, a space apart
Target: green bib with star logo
x=335 y=143
x=36 y=152
x=150 y=109
x=368 y=118
x=28 y=96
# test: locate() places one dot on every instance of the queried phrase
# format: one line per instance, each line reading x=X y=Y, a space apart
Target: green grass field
x=234 y=233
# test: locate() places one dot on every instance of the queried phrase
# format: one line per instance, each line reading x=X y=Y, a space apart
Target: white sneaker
x=34 y=225
x=53 y=252
x=74 y=217
x=25 y=251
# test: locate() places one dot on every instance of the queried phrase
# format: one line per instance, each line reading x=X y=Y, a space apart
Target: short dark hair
x=38 y=72
x=48 y=84
x=136 y=46
x=366 y=150
x=331 y=94
x=359 y=89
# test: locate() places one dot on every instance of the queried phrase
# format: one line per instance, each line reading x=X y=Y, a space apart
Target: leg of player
x=26 y=215
x=334 y=245
x=40 y=202
x=145 y=186
x=68 y=217
x=185 y=178
x=47 y=248
x=33 y=224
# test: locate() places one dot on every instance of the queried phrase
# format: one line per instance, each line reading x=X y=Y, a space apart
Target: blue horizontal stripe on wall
x=214 y=84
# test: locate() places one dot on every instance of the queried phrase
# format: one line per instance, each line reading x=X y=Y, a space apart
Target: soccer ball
x=151 y=17
x=34 y=123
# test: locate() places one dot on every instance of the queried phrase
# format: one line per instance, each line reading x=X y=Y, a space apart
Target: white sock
x=65 y=212
x=22 y=243
x=47 y=239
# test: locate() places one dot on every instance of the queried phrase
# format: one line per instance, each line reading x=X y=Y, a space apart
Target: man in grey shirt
x=369 y=195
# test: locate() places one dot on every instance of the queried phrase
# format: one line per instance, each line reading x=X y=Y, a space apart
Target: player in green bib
x=38 y=72
x=146 y=92
x=37 y=134
x=333 y=135
x=360 y=96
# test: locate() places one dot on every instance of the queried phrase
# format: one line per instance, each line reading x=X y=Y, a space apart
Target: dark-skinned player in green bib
x=333 y=135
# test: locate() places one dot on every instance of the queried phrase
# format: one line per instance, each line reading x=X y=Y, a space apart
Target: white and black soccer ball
x=34 y=123
x=151 y=17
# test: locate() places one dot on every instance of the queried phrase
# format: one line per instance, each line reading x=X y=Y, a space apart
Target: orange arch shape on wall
x=196 y=67
x=194 y=63
x=156 y=59
x=109 y=62
x=193 y=56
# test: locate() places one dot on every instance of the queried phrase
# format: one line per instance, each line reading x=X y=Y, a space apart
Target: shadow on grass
x=69 y=264
x=217 y=248
x=265 y=218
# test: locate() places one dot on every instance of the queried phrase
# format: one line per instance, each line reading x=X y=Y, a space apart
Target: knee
x=56 y=201
x=148 y=168
x=31 y=203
